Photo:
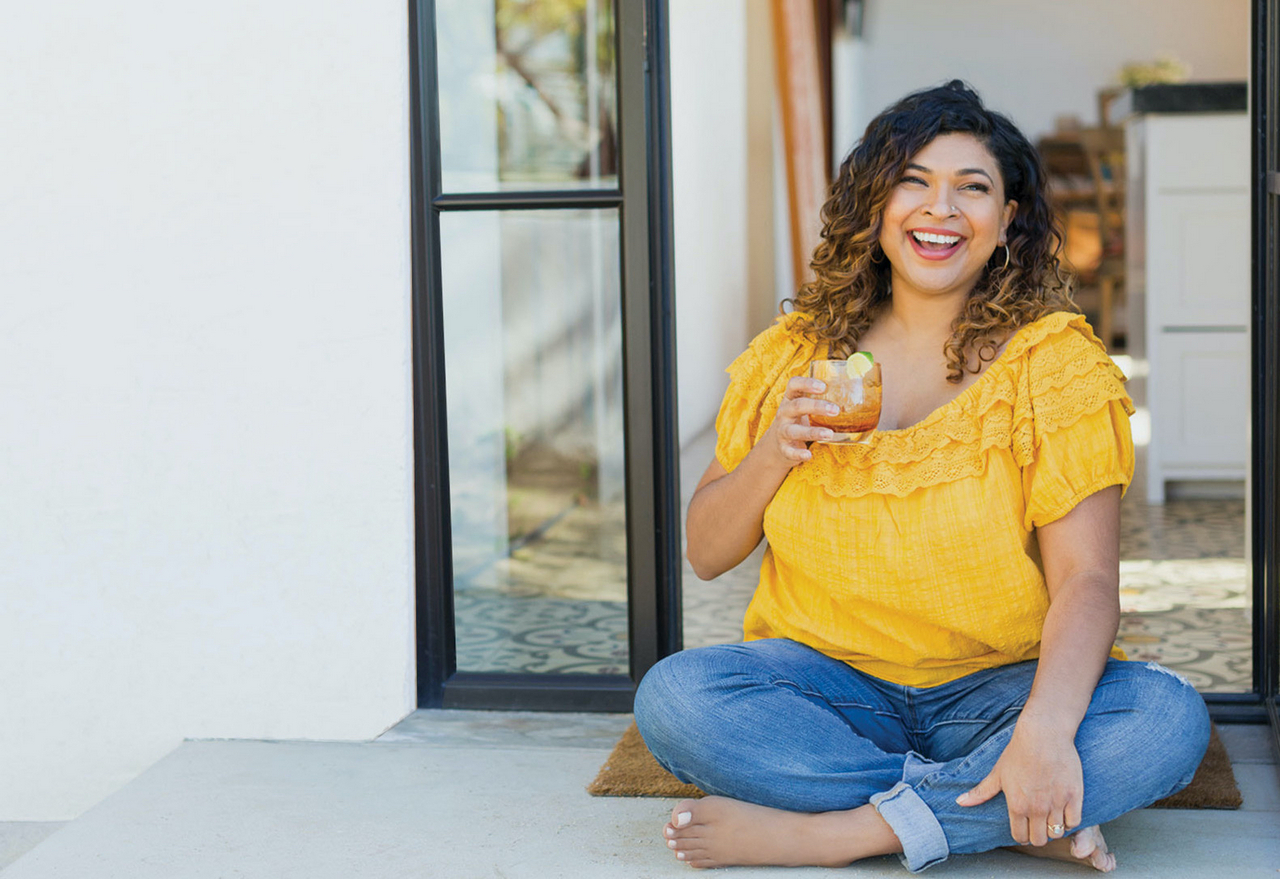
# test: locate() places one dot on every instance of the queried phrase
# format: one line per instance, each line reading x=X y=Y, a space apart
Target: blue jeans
x=779 y=724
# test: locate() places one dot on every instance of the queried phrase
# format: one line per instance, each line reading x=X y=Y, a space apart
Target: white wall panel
x=205 y=448
x=709 y=184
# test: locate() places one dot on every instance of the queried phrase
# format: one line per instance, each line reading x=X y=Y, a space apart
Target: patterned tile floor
x=1184 y=590
x=1184 y=596
x=499 y=631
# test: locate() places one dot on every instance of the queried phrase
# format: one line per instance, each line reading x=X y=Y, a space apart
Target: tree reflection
x=557 y=95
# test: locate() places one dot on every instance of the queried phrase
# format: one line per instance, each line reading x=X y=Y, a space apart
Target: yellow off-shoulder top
x=913 y=558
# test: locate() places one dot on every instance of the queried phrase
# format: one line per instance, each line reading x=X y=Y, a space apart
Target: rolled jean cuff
x=923 y=842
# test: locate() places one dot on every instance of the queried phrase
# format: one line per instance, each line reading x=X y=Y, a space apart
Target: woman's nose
x=940 y=204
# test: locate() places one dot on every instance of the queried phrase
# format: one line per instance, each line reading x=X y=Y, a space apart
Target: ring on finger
x=1057 y=829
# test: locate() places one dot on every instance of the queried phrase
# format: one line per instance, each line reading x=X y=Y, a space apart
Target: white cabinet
x=1198 y=244
x=1188 y=257
x=1199 y=405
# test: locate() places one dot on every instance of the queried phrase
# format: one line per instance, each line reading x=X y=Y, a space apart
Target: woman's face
x=945 y=218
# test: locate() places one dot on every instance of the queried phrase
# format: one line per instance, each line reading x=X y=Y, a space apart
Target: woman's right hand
x=790 y=433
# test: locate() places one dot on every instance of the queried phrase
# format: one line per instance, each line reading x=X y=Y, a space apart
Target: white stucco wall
x=1037 y=61
x=709 y=184
x=205 y=404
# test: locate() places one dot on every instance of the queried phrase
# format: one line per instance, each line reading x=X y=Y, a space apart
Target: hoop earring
x=1006 y=258
x=874 y=261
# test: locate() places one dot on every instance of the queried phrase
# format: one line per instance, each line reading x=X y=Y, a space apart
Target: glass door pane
x=533 y=366
x=528 y=94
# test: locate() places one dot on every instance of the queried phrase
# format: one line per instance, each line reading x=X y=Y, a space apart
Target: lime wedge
x=859 y=364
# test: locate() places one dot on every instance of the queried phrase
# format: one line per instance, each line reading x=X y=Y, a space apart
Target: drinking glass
x=857 y=396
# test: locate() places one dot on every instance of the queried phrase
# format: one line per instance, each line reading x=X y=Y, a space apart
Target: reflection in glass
x=533 y=366
x=528 y=95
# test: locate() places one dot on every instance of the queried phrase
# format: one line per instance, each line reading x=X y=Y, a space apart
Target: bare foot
x=1085 y=847
x=720 y=832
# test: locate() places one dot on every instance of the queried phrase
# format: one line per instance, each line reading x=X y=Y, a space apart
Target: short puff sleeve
x=757 y=379
x=1074 y=414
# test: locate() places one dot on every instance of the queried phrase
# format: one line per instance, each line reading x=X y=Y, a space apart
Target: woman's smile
x=935 y=243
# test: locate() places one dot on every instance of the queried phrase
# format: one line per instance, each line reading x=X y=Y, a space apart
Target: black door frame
x=1264 y=524
x=1265 y=118
x=643 y=199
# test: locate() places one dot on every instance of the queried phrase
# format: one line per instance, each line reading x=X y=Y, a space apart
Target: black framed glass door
x=546 y=465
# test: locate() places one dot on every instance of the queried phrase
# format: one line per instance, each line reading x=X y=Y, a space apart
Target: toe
x=1086 y=842
x=679 y=834
x=697 y=857
x=682 y=814
x=1090 y=846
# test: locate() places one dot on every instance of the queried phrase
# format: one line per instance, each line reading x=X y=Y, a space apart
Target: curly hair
x=852 y=276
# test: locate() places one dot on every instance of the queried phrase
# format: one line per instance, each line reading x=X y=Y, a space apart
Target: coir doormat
x=631 y=771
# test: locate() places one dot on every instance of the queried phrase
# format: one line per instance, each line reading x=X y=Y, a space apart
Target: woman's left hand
x=1042 y=781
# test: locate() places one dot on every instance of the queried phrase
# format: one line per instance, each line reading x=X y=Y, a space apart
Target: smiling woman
x=929 y=664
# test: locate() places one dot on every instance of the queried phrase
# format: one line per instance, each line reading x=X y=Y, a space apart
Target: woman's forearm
x=1079 y=631
x=726 y=513
x=1081 y=557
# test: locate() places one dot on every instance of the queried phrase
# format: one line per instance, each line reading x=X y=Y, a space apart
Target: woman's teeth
x=931 y=238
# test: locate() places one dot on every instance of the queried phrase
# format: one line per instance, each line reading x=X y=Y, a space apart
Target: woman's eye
x=912 y=179
x=977 y=187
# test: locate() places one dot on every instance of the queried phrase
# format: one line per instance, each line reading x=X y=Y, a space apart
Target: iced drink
x=855 y=388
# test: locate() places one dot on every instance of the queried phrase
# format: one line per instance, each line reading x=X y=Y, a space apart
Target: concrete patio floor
x=489 y=795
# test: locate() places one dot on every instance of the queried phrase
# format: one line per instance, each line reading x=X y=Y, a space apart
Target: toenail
x=670 y=833
x=683 y=818
x=671 y=843
x=680 y=855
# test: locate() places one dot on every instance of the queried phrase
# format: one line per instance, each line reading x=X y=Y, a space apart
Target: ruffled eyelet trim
x=1052 y=373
